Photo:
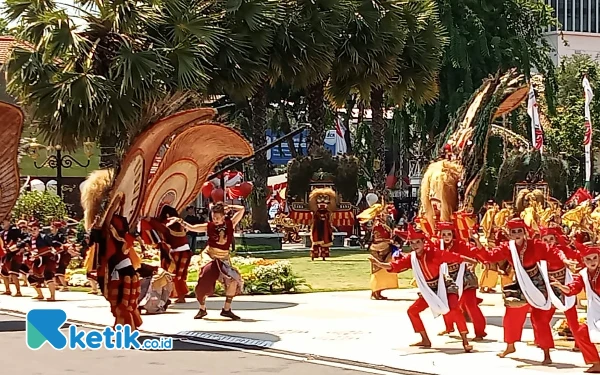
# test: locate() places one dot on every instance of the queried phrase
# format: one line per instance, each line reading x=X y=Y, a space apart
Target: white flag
x=340 y=138
x=537 y=133
x=587 y=138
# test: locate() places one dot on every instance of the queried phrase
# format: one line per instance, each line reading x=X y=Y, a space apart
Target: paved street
x=342 y=327
x=185 y=358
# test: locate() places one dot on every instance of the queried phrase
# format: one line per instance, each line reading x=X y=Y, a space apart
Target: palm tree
x=241 y=72
x=393 y=47
x=303 y=54
x=129 y=63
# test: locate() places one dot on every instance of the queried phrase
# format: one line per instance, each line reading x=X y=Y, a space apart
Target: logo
x=50 y=326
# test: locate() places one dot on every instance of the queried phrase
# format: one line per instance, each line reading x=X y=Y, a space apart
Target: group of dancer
x=43 y=259
x=549 y=270
x=31 y=257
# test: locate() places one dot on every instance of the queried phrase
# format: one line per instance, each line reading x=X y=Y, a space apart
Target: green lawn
x=344 y=270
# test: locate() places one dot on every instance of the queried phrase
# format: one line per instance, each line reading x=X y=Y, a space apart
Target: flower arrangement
x=261 y=276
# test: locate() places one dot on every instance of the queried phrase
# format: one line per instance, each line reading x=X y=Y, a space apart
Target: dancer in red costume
x=588 y=279
x=529 y=293
x=168 y=234
x=216 y=262
x=468 y=285
x=425 y=261
x=43 y=259
x=123 y=282
x=557 y=272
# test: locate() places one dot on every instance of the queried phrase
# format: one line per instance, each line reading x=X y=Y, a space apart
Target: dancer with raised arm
x=437 y=291
x=462 y=274
x=216 y=262
x=529 y=293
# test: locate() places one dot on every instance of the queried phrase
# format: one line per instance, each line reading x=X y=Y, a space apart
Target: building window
x=553 y=4
x=586 y=15
x=578 y=15
x=594 y=16
x=569 y=25
x=561 y=13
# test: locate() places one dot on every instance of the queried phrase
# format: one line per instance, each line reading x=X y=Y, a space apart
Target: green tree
x=566 y=130
x=44 y=207
x=485 y=37
x=129 y=64
x=392 y=47
x=243 y=73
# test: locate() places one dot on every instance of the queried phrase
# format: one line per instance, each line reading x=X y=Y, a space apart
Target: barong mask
x=322 y=200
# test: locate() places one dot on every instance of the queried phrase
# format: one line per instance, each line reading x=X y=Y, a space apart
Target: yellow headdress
x=370 y=213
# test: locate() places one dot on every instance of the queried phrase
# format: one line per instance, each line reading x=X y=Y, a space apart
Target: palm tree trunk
x=260 y=217
x=287 y=128
x=350 y=103
x=316 y=116
x=378 y=140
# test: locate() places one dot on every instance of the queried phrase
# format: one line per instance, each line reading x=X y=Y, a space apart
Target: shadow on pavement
x=12 y=326
x=497 y=321
x=529 y=363
x=237 y=305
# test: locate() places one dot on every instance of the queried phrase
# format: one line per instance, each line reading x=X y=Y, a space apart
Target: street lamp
x=59 y=161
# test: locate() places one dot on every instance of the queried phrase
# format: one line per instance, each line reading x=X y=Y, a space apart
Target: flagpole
x=587 y=138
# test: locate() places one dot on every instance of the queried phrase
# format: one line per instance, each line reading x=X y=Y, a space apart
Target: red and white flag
x=340 y=137
x=587 y=138
x=537 y=133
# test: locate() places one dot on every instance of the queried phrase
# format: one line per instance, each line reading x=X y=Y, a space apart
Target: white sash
x=569 y=301
x=460 y=276
x=532 y=294
x=122 y=264
x=593 y=308
x=438 y=303
x=181 y=248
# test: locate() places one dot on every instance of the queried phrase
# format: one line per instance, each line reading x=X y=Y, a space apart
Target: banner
x=537 y=133
x=587 y=138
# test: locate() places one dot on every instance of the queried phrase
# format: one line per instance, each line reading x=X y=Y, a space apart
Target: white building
x=578 y=28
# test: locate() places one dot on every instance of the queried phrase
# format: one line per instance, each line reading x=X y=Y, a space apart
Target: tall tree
x=484 y=37
x=391 y=47
x=129 y=64
x=303 y=55
x=243 y=73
